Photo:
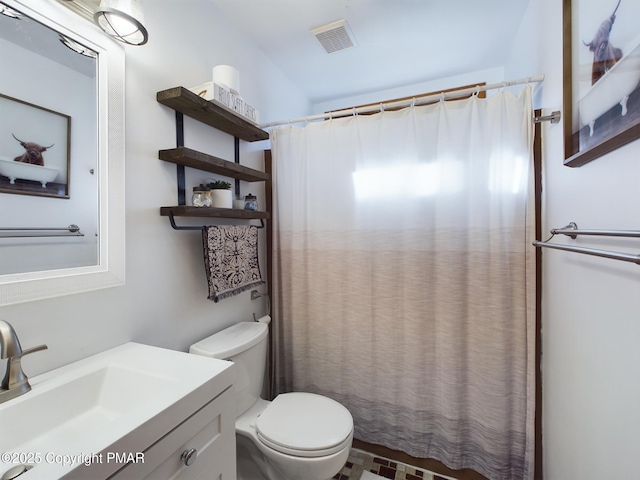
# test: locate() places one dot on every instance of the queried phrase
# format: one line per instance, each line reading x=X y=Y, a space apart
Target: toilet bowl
x=297 y=436
x=296 y=447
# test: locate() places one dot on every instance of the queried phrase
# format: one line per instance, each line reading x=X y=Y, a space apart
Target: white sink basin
x=99 y=404
x=67 y=410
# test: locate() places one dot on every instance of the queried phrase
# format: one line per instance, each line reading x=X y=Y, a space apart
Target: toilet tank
x=244 y=344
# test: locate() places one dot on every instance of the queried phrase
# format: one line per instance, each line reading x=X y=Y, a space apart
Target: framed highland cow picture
x=601 y=77
x=34 y=149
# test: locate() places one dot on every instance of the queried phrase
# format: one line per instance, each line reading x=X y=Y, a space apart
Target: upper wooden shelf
x=209 y=163
x=188 y=103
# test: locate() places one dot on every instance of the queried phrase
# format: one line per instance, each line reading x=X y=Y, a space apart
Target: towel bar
x=625 y=257
x=195 y=227
x=572 y=230
x=71 y=231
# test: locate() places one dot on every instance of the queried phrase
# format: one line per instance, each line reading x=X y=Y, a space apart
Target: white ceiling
x=400 y=42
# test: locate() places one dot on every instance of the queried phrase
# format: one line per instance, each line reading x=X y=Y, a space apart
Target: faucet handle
x=14 y=378
x=31 y=350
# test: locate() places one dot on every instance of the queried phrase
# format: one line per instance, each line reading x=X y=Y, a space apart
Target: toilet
x=297 y=436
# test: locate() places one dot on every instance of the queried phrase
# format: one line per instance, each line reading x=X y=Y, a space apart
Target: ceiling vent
x=335 y=36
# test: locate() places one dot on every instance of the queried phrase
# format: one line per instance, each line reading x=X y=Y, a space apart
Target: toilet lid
x=305 y=424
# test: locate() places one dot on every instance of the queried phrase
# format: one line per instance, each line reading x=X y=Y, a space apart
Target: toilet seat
x=305 y=425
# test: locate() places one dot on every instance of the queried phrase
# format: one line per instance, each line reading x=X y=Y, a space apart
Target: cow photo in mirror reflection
x=33 y=153
x=34 y=149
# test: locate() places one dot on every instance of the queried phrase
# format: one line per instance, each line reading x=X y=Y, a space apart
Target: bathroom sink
x=91 y=401
x=116 y=401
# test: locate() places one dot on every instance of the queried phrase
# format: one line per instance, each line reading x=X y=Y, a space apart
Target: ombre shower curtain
x=404 y=282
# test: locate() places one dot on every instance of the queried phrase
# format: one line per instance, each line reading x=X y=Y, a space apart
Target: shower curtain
x=404 y=282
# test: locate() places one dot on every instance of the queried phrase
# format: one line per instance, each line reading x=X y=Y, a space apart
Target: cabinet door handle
x=189 y=456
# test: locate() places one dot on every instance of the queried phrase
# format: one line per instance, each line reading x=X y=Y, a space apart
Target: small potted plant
x=220 y=194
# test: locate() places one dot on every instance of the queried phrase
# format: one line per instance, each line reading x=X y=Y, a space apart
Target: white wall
x=164 y=300
x=590 y=319
x=489 y=76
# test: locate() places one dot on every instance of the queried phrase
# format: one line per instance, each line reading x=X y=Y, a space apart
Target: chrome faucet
x=15 y=382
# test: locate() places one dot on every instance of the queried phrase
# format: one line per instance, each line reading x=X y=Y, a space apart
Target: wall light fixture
x=9 y=12
x=123 y=20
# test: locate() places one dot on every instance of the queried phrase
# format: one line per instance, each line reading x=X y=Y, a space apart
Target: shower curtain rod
x=424 y=100
x=572 y=230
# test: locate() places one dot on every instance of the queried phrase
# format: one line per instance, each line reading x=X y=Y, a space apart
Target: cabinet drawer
x=210 y=431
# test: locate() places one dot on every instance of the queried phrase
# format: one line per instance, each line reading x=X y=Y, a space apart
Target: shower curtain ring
x=355 y=114
x=413 y=102
x=442 y=96
x=382 y=108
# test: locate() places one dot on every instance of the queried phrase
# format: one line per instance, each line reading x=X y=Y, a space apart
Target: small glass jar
x=201 y=197
x=238 y=203
x=250 y=202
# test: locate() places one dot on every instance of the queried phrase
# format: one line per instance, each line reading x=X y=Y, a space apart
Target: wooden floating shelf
x=188 y=103
x=202 y=161
x=189 y=211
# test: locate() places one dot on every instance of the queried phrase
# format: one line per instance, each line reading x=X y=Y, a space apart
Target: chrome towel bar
x=19 y=232
x=572 y=230
x=625 y=257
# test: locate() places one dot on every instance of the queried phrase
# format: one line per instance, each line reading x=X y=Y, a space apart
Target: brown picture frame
x=41 y=138
x=595 y=124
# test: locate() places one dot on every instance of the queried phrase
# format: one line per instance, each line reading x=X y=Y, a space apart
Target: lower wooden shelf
x=189 y=211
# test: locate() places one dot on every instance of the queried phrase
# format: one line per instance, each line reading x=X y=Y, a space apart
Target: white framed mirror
x=81 y=119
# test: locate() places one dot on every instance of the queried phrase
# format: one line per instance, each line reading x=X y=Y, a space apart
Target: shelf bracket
x=180 y=176
x=236 y=159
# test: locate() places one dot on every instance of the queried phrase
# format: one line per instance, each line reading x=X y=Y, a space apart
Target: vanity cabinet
x=132 y=412
x=201 y=447
x=185 y=102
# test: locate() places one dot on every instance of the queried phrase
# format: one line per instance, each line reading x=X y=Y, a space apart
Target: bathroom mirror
x=62 y=90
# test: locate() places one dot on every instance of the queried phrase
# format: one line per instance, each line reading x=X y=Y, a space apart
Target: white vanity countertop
x=105 y=409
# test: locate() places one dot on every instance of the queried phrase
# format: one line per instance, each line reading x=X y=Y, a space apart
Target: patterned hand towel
x=231 y=259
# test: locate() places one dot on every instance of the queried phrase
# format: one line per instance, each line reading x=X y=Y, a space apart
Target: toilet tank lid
x=231 y=341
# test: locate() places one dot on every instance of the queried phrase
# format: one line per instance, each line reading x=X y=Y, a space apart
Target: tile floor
x=360 y=462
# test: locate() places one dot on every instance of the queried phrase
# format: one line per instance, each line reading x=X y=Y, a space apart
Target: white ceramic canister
x=221 y=198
